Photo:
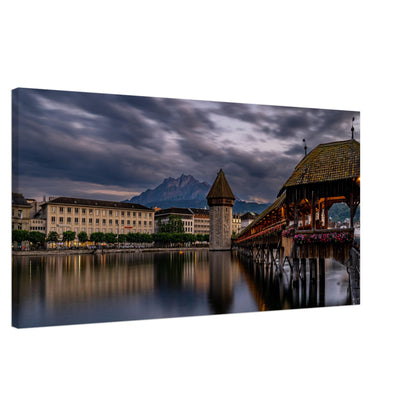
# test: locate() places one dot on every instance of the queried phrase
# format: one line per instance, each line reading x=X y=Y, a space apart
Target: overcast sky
x=114 y=147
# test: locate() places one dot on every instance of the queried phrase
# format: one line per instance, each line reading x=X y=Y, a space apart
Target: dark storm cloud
x=127 y=144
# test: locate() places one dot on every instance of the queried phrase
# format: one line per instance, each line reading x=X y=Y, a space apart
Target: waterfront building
x=220 y=200
x=21 y=209
x=201 y=220
x=247 y=219
x=37 y=224
x=90 y=215
x=236 y=224
x=185 y=214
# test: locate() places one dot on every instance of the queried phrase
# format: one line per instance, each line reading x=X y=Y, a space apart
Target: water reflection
x=56 y=290
x=220 y=292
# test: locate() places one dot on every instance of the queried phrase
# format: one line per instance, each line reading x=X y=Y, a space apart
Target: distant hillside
x=338 y=212
x=187 y=192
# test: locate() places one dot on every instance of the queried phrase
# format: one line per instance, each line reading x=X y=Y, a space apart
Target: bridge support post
x=312 y=268
x=295 y=262
x=303 y=268
x=321 y=281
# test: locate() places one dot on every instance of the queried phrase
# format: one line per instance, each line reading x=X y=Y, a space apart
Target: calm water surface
x=59 y=290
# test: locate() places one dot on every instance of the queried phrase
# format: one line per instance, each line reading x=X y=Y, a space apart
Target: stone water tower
x=220 y=200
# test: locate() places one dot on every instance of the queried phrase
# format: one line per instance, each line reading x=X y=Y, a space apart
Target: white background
x=344 y=360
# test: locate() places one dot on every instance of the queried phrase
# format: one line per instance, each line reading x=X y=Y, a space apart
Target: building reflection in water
x=56 y=290
x=220 y=292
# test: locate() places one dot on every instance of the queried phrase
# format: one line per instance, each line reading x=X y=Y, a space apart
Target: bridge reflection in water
x=59 y=290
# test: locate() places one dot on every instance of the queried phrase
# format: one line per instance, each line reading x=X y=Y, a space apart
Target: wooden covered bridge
x=296 y=226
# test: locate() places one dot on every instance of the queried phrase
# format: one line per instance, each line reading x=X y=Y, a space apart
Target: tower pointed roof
x=220 y=188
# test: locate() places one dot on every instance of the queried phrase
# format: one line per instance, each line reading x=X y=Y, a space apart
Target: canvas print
x=130 y=208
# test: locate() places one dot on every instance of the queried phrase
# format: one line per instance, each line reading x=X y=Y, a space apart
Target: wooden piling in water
x=321 y=281
x=312 y=268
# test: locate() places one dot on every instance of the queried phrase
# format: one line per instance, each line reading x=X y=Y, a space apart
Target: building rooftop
x=95 y=203
x=200 y=211
x=249 y=216
x=174 y=210
x=19 y=199
x=220 y=188
x=327 y=162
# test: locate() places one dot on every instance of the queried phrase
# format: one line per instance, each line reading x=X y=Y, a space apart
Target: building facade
x=21 y=210
x=221 y=201
x=201 y=220
x=236 y=224
x=247 y=219
x=185 y=214
x=89 y=215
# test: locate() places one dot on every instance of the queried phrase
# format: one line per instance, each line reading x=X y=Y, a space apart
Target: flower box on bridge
x=325 y=243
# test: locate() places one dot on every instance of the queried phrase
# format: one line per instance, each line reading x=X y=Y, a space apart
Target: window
x=140 y=223
x=97 y=221
x=150 y=223
x=116 y=222
x=97 y=212
x=53 y=219
x=61 y=220
x=134 y=214
x=68 y=220
x=122 y=222
x=122 y=213
x=110 y=212
x=83 y=220
x=104 y=212
x=90 y=211
x=61 y=210
x=84 y=210
x=140 y=214
x=68 y=210
x=76 y=220
x=89 y=220
x=76 y=210
x=110 y=222
x=128 y=213
x=103 y=221
x=144 y=223
x=134 y=222
x=144 y=215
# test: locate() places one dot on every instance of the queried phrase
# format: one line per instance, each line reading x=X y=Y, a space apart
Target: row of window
x=103 y=212
x=103 y=221
x=103 y=230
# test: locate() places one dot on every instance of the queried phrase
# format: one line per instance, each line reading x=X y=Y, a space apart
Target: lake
x=75 y=289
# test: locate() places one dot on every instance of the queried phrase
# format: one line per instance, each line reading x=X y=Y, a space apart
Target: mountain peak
x=186 y=192
x=184 y=187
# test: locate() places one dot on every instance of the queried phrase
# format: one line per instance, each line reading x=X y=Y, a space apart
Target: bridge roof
x=276 y=205
x=220 y=188
x=327 y=162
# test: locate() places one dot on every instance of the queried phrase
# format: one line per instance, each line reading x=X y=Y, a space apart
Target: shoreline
x=37 y=253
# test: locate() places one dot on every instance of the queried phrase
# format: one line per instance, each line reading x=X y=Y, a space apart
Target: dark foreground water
x=59 y=290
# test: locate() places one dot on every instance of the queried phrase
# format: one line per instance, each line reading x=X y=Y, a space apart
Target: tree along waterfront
x=23 y=239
